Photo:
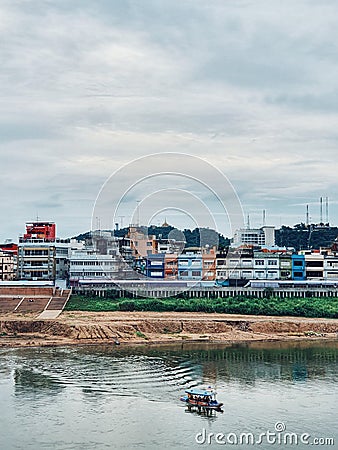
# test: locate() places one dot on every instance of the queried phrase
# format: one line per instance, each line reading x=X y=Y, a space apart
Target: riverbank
x=78 y=327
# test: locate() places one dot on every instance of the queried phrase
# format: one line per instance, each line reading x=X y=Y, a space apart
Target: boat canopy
x=201 y=392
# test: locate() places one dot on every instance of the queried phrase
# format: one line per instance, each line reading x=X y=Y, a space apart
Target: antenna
x=121 y=220
x=307 y=215
x=138 y=212
x=321 y=209
x=264 y=217
x=248 y=223
x=327 y=220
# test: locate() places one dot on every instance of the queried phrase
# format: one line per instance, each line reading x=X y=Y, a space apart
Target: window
x=272 y=262
x=298 y=274
x=314 y=263
x=149 y=244
x=183 y=273
x=285 y=273
x=155 y=273
x=195 y=263
x=156 y=263
x=196 y=273
x=259 y=262
x=285 y=263
x=298 y=263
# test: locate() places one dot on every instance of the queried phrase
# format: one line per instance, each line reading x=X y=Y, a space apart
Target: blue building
x=298 y=267
x=155 y=265
x=190 y=266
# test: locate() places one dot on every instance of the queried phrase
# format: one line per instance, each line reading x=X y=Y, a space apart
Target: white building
x=246 y=264
x=39 y=259
x=104 y=257
x=264 y=236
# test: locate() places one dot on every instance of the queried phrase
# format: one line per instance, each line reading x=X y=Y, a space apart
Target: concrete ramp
x=50 y=314
x=55 y=305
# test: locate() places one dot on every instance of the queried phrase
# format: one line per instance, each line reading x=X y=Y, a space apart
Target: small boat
x=202 y=398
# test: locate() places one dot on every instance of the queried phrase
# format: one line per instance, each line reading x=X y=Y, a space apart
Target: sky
x=248 y=86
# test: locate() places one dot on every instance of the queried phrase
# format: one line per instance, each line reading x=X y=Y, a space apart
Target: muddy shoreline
x=127 y=328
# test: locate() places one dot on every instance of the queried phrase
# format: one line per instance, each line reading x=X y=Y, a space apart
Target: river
x=101 y=397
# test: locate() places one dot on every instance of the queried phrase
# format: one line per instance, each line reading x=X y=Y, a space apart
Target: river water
x=123 y=398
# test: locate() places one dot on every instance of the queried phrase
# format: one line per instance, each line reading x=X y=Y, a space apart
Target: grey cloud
x=87 y=86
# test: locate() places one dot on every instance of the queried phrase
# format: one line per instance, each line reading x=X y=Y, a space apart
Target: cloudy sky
x=251 y=86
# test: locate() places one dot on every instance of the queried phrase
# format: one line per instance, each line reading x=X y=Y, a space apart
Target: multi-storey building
x=41 y=260
x=264 y=236
x=245 y=264
x=42 y=256
x=155 y=265
x=314 y=264
x=209 y=264
x=190 y=266
x=331 y=266
x=170 y=266
x=7 y=272
x=298 y=267
x=102 y=257
x=141 y=243
x=285 y=266
x=88 y=264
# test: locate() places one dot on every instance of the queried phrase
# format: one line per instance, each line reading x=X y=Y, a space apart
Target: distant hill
x=302 y=236
x=192 y=237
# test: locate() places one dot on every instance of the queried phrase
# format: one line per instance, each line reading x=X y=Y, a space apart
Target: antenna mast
x=321 y=209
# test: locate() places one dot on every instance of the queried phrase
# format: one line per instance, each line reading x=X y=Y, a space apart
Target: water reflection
x=28 y=381
x=129 y=397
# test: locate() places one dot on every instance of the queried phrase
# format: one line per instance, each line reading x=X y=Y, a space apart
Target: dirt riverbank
x=151 y=327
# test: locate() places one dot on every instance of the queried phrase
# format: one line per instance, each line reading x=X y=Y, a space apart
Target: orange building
x=209 y=264
x=141 y=243
x=170 y=266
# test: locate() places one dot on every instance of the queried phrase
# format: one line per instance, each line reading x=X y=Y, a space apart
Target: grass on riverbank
x=298 y=307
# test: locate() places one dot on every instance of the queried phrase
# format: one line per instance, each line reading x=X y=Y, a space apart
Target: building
x=314 y=264
x=209 y=264
x=245 y=264
x=169 y=246
x=40 y=230
x=41 y=260
x=42 y=256
x=87 y=264
x=190 y=266
x=264 y=236
x=155 y=265
x=103 y=257
x=285 y=266
x=7 y=272
x=170 y=266
x=331 y=266
x=141 y=243
x=298 y=267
